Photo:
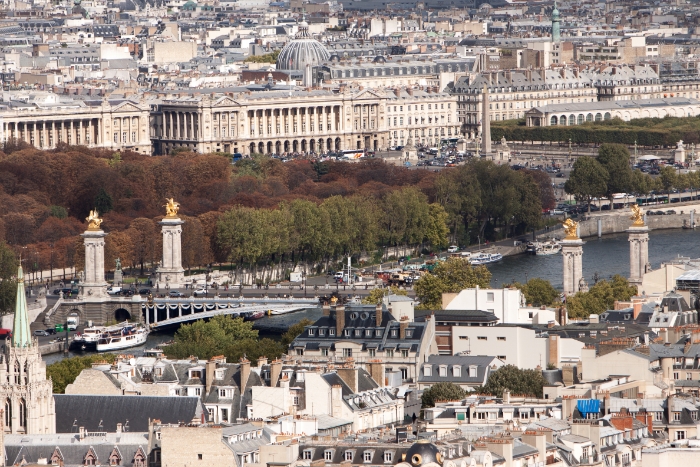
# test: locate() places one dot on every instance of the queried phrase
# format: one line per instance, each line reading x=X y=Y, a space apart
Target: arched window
x=598 y=117
x=115 y=458
x=562 y=120
x=553 y=121
x=17 y=370
x=580 y=118
x=8 y=415
x=607 y=116
x=22 y=413
x=589 y=117
x=572 y=120
x=26 y=373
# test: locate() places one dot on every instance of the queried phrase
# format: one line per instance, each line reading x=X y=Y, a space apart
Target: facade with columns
x=112 y=124
x=572 y=273
x=302 y=121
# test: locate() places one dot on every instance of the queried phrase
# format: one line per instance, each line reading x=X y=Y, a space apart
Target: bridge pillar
x=179 y=310
x=94 y=286
x=170 y=270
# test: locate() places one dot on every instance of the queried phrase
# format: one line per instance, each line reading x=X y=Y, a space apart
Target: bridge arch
x=122 y=314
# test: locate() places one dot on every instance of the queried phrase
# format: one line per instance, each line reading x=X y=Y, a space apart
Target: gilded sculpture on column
x=94 y=220
x=570 y=227
x=171 y=207
x=637 y=216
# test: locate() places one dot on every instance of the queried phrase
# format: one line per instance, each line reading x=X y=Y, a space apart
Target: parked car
x=144 y=291
x=175 y=294
x=40 y=332
x=50 y=331
x=200 y=292
x=453 y=249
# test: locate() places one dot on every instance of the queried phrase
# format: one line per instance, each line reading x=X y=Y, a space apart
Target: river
x=606 y=256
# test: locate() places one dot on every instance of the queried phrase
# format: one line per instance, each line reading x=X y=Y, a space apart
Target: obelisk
x=171 y=272
x=572 y=251
x=485 y=123
x=639 y=247
x=94 y=285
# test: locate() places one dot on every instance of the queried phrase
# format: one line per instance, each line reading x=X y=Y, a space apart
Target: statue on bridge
x=171 y=207
x=637 y=216
x=94 y=220
x=118 y=267
x=570 y=227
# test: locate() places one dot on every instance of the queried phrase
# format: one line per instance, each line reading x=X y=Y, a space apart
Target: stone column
x=572 y=251
x=170 y=270
x=94 y=286
x=639 y=253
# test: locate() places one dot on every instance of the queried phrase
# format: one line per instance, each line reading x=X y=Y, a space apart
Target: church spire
x=21 y=336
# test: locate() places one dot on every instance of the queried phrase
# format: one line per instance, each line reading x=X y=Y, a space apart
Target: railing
x=53 y=310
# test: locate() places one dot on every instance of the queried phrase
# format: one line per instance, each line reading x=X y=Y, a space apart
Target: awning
x=586 y=406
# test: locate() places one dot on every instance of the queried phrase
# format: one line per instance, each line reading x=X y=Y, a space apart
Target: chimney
x=403 y=324
x=397 y=92
x=669 y=407
x=562 y=72
x=119 y=428
x=262 y=361
x=376 y=371
x=81 y=432
x=543 y=74
x=538 y=440
x=349 y=376
x=378 y=315
x=326 y=309
x=563 y=315
x=245 y=373
x=339 y=320
x=209 y=376
x=275 y=372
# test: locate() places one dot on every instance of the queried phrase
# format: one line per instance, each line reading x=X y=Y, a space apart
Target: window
x=524 y=415
x=324 y=352
x=676 y=416
x=347 y=333
x=197 y=391
x=680 y=434
x=501 y=338
x=311 y=332
x=300 y=351
x=331 y=332
x=199 y=457
x=133 y=136
x=321 y=332
x=409 y=333
x=378 y=333
x=427 y=370
x=443 y=370
x=367 y=456
x=689 y=376
x=502 y=357
x=295 y=400
x=404 y=353
x=116 y=137
x=368 y=333
x=347 y=352
x=389 y=353
x=472 y=371
x=123 y=136
x=457 y=371
x=307 y=454
x=388 y=457
x=489 y=296
x=328 y=455
x=404 y=373
x=372 y=352
x=394 y=333
x=482 y=338
x=676 y=376
x=224 y=415
x=347 y=455
x=222 y=393
x=481 y=415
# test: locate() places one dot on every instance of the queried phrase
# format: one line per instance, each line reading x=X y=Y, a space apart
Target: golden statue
x=570 y=228
x=637 y=216
x=94 y=221
x=171 y=207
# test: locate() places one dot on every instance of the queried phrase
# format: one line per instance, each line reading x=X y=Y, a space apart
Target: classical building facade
x=28 y=406
x=281 y=121
x=45 y=119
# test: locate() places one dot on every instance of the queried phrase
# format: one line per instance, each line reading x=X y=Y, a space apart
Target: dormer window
x=427 y=370
x=347 y=333
x=394 y=333
x=457 y=371
x=306 y=454
x=378 y=333
x=328 y=455
x=472 y=371
x=311 y=332
x=443 y=370
x=219 y=374
x=321 y=332
x=358 y=332
x=368 y=333
x=409 y=333
x=367 y=456
x=347 y=455
x=331 y=332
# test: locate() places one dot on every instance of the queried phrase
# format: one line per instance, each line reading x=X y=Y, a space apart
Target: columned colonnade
x=47 y=134
x=181 y=125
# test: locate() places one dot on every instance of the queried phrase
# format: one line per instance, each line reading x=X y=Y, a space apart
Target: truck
x=72 y=323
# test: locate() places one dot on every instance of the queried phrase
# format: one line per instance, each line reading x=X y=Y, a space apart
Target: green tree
x=436 y=231
x=442 y=392
x=600 y=298
x=642 y=184
x=615 y=159
x=293 y=331
x=64 y=372
x=8 y=279
x=517 y=381
x=539 y=292
x=103 y=201
x=451 y=276
x=267 y=58
x=588 y=180
x=377 y=295
x=668 y=178
x=58 y=211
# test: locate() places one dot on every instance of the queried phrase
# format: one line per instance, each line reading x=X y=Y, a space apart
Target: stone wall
x=183 y=446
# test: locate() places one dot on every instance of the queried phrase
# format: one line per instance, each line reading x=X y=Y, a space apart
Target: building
x=371 y=338
x=576 y=114
x=28 y=406
x=466 y=371
x=44 y=120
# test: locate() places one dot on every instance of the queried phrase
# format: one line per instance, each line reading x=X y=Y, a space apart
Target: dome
x=301 y=51
x=379 y=59
x=423 y=452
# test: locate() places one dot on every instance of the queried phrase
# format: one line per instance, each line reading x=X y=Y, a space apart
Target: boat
x=548 y=248
x=87 y=340
x=532 y=248
x=122 y=336
x=253 y=315
x=484 y=258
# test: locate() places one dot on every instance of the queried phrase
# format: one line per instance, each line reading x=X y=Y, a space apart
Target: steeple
x=21 y=336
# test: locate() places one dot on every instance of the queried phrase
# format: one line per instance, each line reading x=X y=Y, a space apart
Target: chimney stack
x=378 y=315
x=245 y=373
x=326 y=309
x=275 y=372
x=209 y=374
x=403 y=324
x=339 y=320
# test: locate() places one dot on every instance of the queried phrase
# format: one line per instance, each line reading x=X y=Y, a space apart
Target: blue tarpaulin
x=586 y=406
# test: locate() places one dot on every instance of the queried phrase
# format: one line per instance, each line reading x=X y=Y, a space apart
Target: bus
x=352 y=153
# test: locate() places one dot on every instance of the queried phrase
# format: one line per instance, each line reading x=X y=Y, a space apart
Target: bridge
x=169 y=311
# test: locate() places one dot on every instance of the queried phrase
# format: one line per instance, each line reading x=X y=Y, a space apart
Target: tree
x=539 y=292
x=615 y=159
x=517 y=381
x=376 y=295
x=437 y=231
x=293 y=331
x=442 y=392
x=668 y=178
x=600 y=298
x=64 y=372
x=142 y=232
x=103 y=202
x=547 y=197
x=8 y=279
x=587 y=180
x=451 y=276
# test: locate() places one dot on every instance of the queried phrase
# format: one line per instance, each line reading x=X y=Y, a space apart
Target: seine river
x=605 y=256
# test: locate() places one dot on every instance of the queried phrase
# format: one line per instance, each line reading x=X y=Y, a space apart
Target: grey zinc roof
x=464 y=361
x=102 y=413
